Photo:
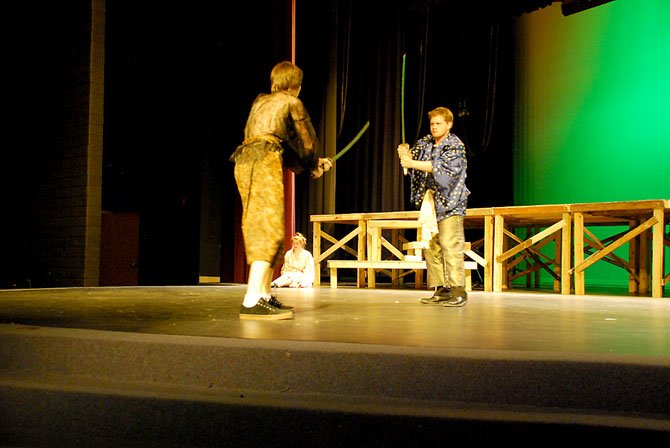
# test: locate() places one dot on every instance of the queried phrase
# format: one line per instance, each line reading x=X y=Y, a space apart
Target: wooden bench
x=334 y=265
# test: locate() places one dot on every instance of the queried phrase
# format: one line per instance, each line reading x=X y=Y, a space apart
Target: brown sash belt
x=263 y=137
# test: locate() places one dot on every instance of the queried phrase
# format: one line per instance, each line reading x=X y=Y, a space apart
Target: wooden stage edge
x=176 y=367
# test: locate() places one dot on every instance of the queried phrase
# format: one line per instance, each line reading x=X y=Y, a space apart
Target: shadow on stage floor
x=175 y=366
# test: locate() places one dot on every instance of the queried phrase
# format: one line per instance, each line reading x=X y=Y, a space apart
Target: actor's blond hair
x=285 y=76
x=442 y=112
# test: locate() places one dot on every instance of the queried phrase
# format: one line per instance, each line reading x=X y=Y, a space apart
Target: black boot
x=441 y=295
x=457 y=297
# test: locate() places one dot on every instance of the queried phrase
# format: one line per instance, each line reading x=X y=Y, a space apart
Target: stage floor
x=355 y=367
x=529 y=321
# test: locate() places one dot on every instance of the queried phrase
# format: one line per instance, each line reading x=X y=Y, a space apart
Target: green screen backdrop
x=592 y=108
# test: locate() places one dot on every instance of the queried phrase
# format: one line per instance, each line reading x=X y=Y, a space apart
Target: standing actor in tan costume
x=278 y=133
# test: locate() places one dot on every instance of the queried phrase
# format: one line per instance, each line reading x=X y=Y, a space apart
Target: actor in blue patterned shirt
x=438 y=162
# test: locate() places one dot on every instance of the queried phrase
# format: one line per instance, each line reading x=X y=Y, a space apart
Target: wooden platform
x=516 y=241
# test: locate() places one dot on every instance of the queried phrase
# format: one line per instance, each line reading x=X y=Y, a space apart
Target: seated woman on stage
x=298 y=268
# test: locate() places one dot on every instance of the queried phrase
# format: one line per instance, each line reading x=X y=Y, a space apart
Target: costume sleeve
x=302 y=138
x=287 y=261
x=448 y=165
x=309 y=268
x=449 y=168
x=418 y=178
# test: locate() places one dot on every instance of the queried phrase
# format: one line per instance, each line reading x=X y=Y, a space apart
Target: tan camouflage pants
x=444 y=257
x=260 y=181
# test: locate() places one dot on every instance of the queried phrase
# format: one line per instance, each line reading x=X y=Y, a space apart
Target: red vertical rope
x=290 y=192
x=289 y=176
x=293 y=31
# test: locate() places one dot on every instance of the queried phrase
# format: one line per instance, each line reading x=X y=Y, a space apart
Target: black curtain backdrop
x=180 y=78
x=457 y=55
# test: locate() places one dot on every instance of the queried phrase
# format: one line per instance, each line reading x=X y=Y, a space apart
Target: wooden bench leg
x=418 y=279
x=333 y=278
x=469 y=267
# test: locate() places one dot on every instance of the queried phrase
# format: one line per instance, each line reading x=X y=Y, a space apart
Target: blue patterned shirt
x=448 y=176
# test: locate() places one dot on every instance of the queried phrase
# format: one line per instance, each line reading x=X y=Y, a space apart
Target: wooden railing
x=506 y=252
